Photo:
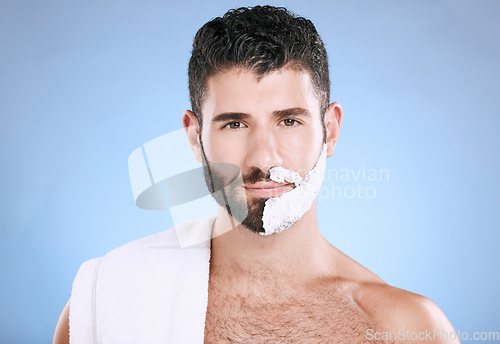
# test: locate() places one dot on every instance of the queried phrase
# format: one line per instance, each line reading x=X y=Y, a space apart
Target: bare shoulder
x=391 y=308
x=61 y=334
x=397 y=310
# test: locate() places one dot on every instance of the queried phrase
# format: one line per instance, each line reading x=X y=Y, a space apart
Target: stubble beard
x=253 y=221
x=235 y=195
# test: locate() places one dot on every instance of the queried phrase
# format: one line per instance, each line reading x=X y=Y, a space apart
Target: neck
x=299 y=253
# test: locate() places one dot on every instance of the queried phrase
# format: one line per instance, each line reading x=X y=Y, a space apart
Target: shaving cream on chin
x=282 y=212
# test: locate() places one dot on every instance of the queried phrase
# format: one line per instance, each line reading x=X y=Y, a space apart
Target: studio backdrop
x=411 y=192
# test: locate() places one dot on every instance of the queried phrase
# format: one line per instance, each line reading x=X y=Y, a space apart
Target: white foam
x=282 y=212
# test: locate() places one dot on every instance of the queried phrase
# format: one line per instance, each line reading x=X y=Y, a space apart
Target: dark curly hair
x=262 y=39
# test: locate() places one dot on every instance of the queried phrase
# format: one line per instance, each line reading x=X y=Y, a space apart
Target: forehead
x=241 y=90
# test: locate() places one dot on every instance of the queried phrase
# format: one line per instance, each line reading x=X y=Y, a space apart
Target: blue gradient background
x=83 y=84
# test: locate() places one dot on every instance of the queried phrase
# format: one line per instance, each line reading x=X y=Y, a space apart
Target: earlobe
x=333 y=119
x=192 y=129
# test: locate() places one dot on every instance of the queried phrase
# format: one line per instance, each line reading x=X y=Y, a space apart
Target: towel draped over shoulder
x=152 y=290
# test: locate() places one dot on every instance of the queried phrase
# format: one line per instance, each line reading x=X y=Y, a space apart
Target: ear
x=333 y=119
x=192 y=128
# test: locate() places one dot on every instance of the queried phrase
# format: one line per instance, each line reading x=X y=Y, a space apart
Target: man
x=259 y=89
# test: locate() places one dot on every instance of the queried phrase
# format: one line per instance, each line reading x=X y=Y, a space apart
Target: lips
x=268 y=189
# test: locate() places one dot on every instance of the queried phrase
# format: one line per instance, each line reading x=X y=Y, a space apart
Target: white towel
x=147 y=291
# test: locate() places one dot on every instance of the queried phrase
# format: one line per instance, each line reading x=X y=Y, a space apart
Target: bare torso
x=265 y=310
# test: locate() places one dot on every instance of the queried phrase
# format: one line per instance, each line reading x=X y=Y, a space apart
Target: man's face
x=257 y=124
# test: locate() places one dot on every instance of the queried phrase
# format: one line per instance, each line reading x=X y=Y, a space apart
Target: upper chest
x=322 y=315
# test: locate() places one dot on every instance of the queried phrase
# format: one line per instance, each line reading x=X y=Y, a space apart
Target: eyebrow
x=230 y=116
x=238 y=116
x=292 y=112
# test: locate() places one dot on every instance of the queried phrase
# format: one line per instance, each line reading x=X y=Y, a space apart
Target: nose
x=262 y=150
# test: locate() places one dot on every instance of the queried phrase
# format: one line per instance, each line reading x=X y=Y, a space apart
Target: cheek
x=301 y=150
x=221 y=148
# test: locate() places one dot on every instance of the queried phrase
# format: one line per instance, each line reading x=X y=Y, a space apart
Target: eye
x=289 y=122
x=234 y=125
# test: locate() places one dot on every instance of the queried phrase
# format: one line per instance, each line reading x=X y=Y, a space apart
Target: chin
x=253 y=221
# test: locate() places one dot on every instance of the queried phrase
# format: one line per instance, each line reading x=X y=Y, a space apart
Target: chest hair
x=327 y=314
